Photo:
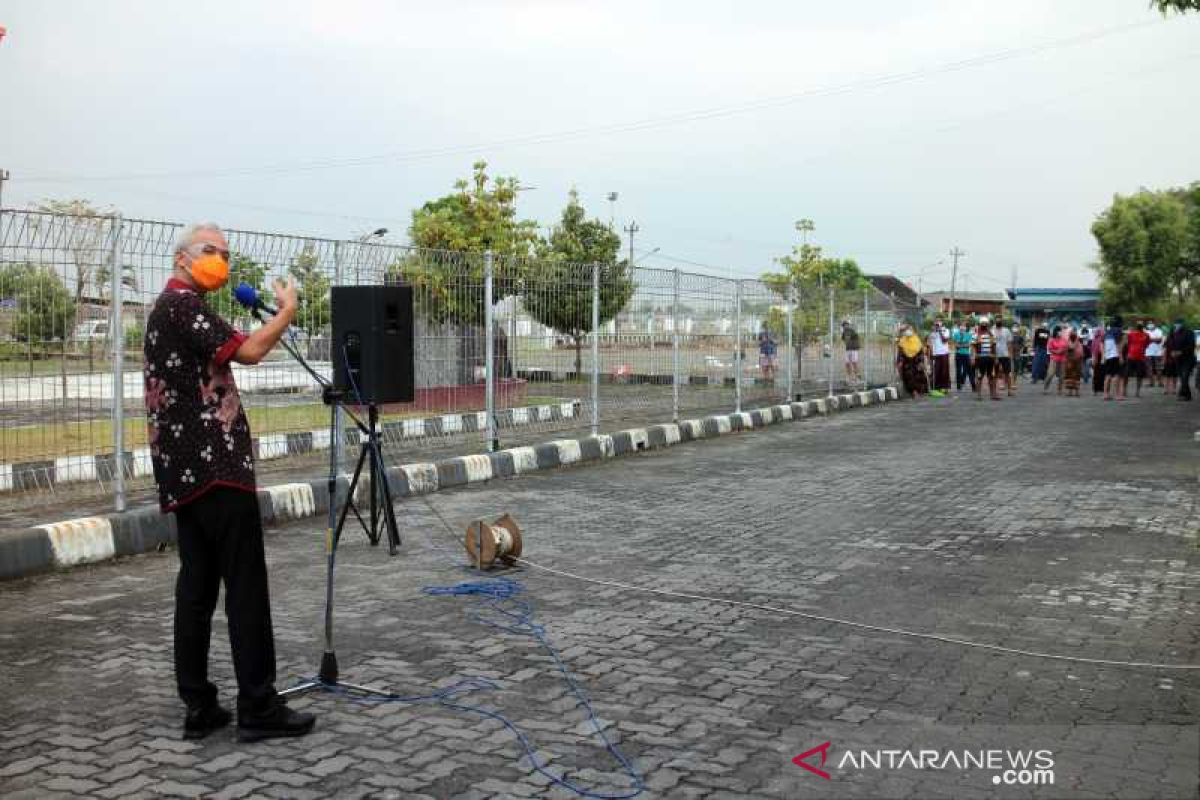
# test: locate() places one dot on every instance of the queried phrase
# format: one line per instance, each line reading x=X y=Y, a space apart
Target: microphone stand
x=327 y=676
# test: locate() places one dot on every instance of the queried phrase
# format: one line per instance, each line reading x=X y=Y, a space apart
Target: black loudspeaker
x=372 y=347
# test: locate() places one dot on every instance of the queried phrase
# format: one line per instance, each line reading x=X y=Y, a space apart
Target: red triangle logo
x=823 y=749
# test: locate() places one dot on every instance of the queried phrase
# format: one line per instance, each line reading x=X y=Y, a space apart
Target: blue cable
x=500 y=596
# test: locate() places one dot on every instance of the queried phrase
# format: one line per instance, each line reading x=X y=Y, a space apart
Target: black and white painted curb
x=93 y=539
x=27 y=476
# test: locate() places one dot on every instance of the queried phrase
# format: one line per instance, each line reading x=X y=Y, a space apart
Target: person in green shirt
x=963 y=338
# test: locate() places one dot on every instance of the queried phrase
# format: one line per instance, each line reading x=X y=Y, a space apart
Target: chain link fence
x=508 y=350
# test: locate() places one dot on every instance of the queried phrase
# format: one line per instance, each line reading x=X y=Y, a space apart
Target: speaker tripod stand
x=370 y=453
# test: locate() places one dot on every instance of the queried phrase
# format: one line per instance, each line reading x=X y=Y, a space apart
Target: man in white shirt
x=937 y=346
x=1004 y=355
x=1154 y=353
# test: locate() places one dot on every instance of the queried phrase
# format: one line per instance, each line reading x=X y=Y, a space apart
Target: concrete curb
x=90 y=540
x=48 y=473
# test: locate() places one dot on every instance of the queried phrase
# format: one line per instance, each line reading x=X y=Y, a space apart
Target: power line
x=212 y=201
x=680 y=260
x=359 y=218
x=876 y=82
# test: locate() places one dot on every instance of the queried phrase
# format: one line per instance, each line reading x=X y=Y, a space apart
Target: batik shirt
x=199 y=437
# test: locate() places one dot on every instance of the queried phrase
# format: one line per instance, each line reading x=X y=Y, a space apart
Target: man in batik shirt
x=204 y=467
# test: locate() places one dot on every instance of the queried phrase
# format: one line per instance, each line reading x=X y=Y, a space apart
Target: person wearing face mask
x=963 y=340
x=910 y=363
x=1154 y=353
x=937 y=347
x=1041 y=353
x=1180 y=350
x=204 y=467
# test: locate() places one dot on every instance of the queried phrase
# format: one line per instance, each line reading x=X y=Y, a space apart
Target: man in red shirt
x=1136 y=342
x=204 y=467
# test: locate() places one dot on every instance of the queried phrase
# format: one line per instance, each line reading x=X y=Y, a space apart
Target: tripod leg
x=389 y=513
x=370 y=446
x=349 y=504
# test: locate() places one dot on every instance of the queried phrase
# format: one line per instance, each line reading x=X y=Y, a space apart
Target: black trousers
x=1185 y=373
x=963 y=371
x=221 y=539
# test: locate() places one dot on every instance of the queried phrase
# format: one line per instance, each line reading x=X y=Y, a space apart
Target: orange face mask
x=210 y=272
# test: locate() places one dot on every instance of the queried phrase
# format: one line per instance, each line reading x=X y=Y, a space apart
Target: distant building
x=907 y=302
x=1035 y=306
x=968 y=303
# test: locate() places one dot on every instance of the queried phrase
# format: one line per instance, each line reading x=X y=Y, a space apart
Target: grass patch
x=51 y=440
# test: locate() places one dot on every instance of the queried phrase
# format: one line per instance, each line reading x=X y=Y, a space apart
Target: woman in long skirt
x=1096 y=355
x=910 y=362
x=1073 y=369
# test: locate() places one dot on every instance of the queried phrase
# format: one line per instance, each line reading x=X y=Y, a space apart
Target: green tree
x=810 y=274
x=1146 y=249
x=558 y=285
x=313 y=289
x=1181 y=6
x=807 y=277
x=479 y=215
x=1189 y=259
x=776 y=321
x=44 y=309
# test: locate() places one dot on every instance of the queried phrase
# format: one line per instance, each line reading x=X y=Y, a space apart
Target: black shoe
x=276 y=722
x=202 y=721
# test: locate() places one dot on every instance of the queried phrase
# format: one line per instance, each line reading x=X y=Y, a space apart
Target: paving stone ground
x=1067 y=526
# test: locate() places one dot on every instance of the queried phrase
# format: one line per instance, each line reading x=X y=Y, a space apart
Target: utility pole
x=1013 y=288
x=954 y=253
x=4 y=175
x=631 y=229
x=612 y=210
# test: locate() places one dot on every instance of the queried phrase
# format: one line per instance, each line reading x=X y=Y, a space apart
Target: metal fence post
x=595 y=349
x=866 y=338
x=799 y=390
x=737 y=345
x=791 y=349
x=831 y=359
x=675 y=349
x=489 y=354
x=339 y=425
x=515 y=301
x=116 y=330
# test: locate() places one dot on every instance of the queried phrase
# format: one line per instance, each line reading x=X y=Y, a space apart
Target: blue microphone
x=248 y=297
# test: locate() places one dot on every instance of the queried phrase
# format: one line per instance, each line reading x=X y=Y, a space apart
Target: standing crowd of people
x=992 y=352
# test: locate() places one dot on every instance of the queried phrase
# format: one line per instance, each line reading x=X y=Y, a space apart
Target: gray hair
x=188 y=234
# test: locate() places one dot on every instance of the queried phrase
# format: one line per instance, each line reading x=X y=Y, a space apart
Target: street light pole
x=360 y=241
x=955 y=253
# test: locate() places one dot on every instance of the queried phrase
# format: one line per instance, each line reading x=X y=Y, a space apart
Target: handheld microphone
x=248 y=297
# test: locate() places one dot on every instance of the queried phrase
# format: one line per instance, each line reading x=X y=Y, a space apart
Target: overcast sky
x=901 y=128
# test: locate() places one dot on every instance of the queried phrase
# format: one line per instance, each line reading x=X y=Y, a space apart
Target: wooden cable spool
x=488 y=542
